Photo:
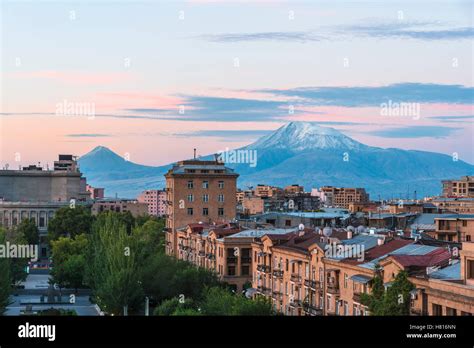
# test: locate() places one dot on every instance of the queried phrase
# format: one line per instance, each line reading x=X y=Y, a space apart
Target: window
x=468 y=238
x=220 y=198
x=220 y=212
x=437 y=309
x=464 y=223
x=245 y=270
x=287 y=265
x=346 y=277
x=287 y=222
x=231 y=270
x=221 y=184
x=205 y=184
x=470 y=269
x=205 y=211
x=190 y=198
x=190 y=211
x=205 y=198
x=190 y=184
x=451 y=311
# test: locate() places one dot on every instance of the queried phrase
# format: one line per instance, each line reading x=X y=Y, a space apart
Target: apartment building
x=293 y=190
x=253 y=205
x=156 y=200
x=226 y=249
x=268 y=191
x=455 y=228
x=463 y=187
x=198 y=191
x=95 y=192
x=302 y=277
x=120 y=206
x=341 y=196
x=454 y=205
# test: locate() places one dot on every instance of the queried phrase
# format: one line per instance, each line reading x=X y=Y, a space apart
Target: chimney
x=349 y=234
x=380 y=241
x=194 y=153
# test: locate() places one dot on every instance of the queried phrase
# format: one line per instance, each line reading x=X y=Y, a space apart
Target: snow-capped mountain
x=298 y=152
x=305 y=136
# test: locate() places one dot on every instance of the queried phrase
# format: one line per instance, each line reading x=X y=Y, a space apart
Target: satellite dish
x=327 y=231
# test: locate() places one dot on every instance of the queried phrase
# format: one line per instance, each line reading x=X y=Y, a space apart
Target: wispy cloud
x=414 y=132
x=454 y=119
x=88 y=135
x=296 y=36
x=208 y=108
x=228 y=134
x=74 y=77
x=375 y=96
x=410 y=30
x=373 y=29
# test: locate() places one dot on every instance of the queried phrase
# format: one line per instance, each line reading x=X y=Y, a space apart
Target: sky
x=154 y=79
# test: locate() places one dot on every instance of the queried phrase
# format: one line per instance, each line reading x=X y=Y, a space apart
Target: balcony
x=312 y=284
x=296 y=303
x=278 y=273
x=263 y=268
x=333 y=289
x=276 y=294
x=264 y=290
x=311 y=309
x=295 y=278
x=356 y=297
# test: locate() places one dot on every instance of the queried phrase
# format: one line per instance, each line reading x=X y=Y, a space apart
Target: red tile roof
x=436 y=257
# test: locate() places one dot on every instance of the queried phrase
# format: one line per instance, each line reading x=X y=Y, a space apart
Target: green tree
x=69 y=222
x=17 y=265
x=5 y=280
x=219 y=301
x=113 y=268
x=174 y=306
x=69 y=261
x=28 y=229
x=393 y=301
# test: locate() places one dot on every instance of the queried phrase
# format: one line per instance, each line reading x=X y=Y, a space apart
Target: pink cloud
x=75 y=77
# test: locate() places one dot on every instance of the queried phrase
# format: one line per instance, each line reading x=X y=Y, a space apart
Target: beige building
x=455 y=228
x=463 y=187
x=120 y=206
x=454 y=205
x=37 y=193
x=253 y=205
x=198 y=191
x=341 y=196
x=268 y=191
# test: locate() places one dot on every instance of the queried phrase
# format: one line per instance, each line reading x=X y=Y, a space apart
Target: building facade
x=198 y=191
x=156 y=200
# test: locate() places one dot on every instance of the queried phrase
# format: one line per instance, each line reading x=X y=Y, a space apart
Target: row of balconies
x=263 y=268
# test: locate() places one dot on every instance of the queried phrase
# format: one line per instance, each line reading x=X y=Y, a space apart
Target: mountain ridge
x=298 y=152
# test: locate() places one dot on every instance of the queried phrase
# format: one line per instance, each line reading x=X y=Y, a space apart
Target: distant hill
x=304 y=153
